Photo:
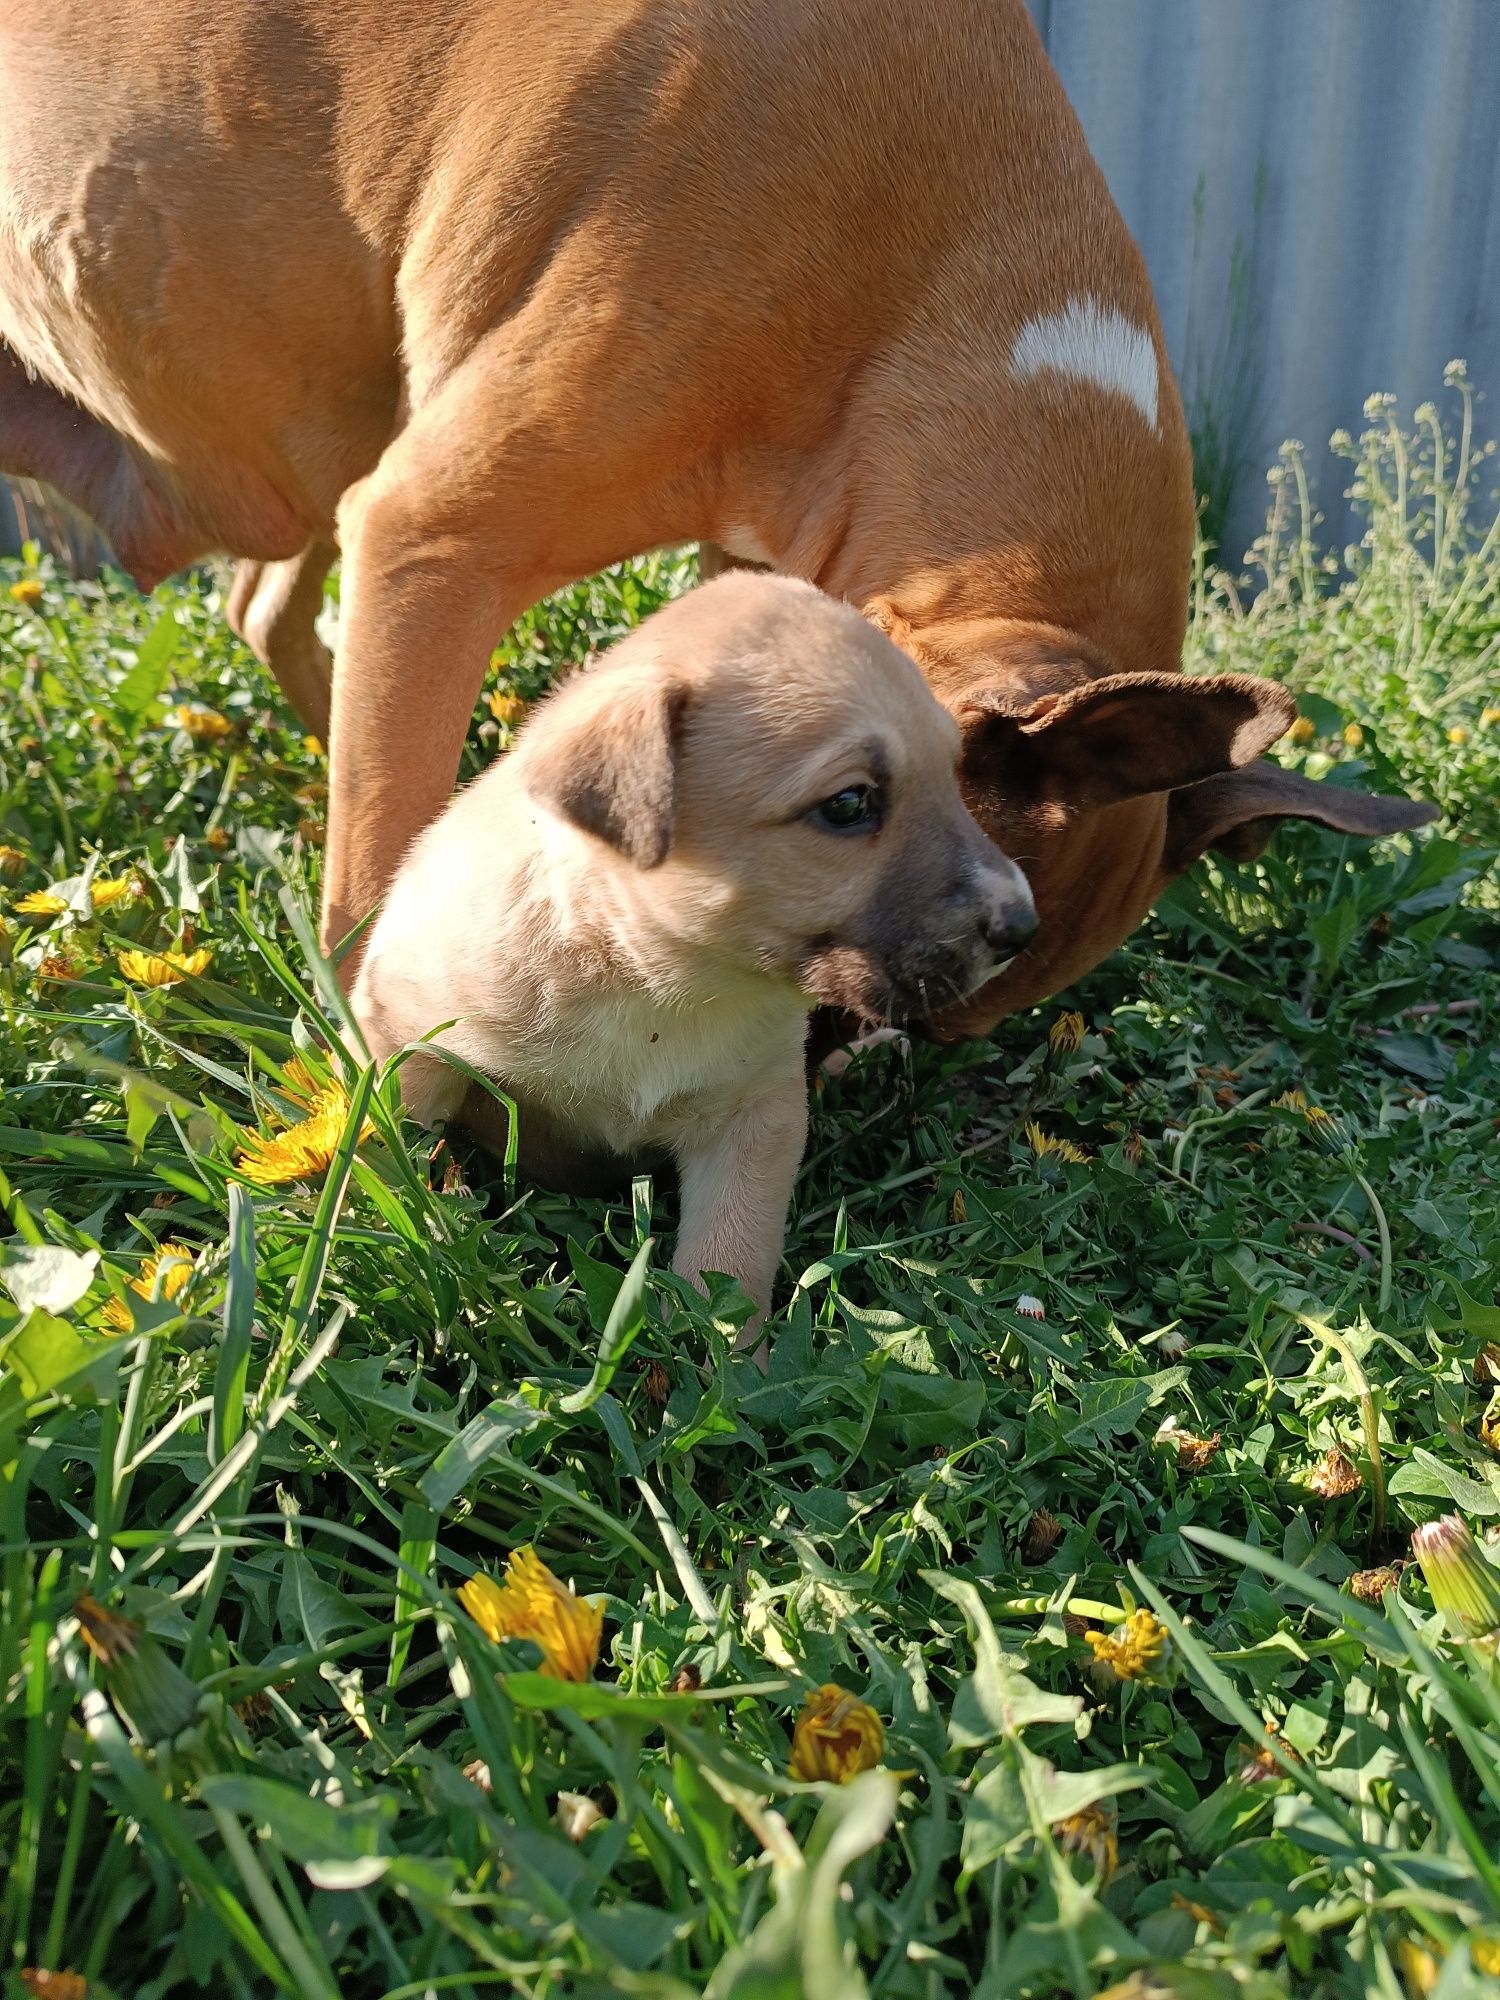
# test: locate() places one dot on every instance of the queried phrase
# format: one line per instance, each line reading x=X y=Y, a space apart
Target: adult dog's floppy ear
x=614 y=771
x=1236 y=813
x=1120 y=736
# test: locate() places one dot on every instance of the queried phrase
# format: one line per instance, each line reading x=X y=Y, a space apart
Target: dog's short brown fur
x=630 y=917
x=501 y=292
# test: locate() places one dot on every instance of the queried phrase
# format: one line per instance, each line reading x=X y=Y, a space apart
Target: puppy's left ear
x=1120 y=736
x=617 y=779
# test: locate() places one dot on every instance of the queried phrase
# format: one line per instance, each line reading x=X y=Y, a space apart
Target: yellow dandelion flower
x=1065 y=1036
x=164 y=968
x=1489 y=717
x=312 y=746
x=12 y=859
x=1138 y=1650
x=164 y=1275
x=534 y=1604
x=1354 y=736
x=41 y=903
x=1090 y=1834
x=1458 y=735
x=836 y=1736
x=1485 y=1953
x=298 y=1082
x=1046 y=1146
x=26 y=590
x=507 y=708
x=303 y=1151
x=1419 y=1968
x=108 y=892
x=202 y=724
x=1303 y=730
x=1316 y=1115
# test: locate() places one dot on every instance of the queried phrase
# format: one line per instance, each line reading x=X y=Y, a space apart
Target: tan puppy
x=750 y=808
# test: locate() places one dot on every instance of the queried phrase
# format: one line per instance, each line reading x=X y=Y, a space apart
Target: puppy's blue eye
x=853 y=810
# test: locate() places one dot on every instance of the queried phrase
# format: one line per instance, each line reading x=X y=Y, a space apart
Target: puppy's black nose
x=1007 y=932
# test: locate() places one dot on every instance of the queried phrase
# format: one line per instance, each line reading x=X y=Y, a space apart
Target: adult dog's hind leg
x=274 y=608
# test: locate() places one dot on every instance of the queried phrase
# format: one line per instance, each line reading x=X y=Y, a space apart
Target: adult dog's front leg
x=736 y=1186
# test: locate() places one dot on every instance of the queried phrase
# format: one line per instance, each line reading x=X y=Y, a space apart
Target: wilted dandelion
x=1289 y=1100
x=658 y=1383
x=164 y=968
x=164 y=1275
x=1334 y=1476
x=1065 y=1036
x=53 y=1985
x=61 y=965
x=12 y=859
x=1371 y=1585
x=534 y=1604
x=1046 y=1146
x=1258 y=1761
x=1030 y=1307
x=154 y=1696
x=1465 y=1587
x=1138 y=1650
x=958 y=1208
x=217 y=839
x=1193 y=1453
x=1043 y=1533
x=836 y=1736
x=1090 y=1834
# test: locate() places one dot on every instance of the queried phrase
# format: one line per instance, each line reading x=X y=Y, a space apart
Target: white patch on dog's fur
x=1097 y=344
x=737 y=540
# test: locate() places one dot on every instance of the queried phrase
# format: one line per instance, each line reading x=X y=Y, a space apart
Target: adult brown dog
x=502 y=290
x=750 y=807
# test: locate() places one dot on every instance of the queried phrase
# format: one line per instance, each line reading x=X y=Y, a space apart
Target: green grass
x=380 y=1381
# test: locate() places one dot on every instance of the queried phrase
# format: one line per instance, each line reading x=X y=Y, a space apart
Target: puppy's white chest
x=635 y=1064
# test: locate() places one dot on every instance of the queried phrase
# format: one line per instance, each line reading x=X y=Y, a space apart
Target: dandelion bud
x=1465 y=1588
x=1065 y=1036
